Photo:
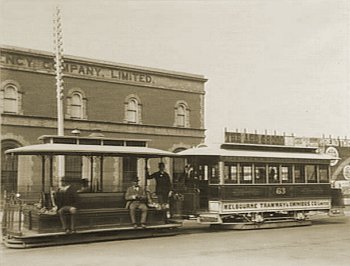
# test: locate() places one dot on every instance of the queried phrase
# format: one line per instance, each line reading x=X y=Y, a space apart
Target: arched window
x=76 y=104
x=132 y=110
x=182 y=114
x=9 y=167
x=10 y=99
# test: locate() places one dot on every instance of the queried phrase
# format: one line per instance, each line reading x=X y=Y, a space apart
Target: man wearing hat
x=85 y=185
x=65 y=199
x=136 y=199
x=163 y=184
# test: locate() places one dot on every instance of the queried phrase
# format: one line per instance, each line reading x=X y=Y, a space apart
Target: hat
x=135 y=179
x=161 y=164
x=84 y=180
x=65 y=179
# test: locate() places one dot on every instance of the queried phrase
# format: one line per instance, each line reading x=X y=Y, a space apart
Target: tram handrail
x=12 y=219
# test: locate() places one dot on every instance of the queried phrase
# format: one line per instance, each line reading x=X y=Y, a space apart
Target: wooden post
x=101 y=174
x=42 y=173
x=51 y=171
x=91 y=173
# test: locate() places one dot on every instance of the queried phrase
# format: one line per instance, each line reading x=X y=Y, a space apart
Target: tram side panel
x=245 y=202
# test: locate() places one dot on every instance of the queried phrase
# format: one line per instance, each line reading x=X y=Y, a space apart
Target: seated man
x=65 y=200
x=136 y=199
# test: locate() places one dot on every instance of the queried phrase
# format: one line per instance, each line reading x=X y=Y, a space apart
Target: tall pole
x=58 y=42
x=58 y=47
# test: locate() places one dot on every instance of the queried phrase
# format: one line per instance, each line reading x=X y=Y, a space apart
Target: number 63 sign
x=281 y=190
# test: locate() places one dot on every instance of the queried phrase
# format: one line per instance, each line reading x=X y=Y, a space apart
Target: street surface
x=326 y=242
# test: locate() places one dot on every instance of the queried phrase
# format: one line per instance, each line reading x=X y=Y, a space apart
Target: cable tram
x=251 y=186
x=109 y=166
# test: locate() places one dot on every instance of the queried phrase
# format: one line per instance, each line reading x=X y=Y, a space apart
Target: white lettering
x=276 y=205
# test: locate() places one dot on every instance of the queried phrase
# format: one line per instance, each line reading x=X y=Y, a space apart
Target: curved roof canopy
x=96 y=150
x=217 y=150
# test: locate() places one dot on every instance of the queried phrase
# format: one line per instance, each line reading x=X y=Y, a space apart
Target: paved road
x=327 y=242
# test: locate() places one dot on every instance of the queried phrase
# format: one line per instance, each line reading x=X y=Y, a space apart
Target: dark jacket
x=66 y=196
x=163 y=182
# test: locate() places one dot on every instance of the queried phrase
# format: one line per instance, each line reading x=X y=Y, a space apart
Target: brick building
x=118 y=100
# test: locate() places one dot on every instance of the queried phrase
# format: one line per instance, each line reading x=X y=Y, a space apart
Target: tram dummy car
x=32 y=220
x=248 y=186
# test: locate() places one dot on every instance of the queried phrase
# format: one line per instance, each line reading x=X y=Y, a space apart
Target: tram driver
x=163 y=184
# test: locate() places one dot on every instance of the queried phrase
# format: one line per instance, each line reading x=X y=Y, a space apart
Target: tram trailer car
x=251 y=186
x=101 y=213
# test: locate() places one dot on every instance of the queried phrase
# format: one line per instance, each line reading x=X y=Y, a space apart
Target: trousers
x=67 y=212
x=138 y=205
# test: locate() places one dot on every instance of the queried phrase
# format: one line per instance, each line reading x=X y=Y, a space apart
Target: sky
x=271 y=65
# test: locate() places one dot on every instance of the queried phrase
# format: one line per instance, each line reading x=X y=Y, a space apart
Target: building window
x=76 y=104
x=10 y=100
x=11 y=97
x=132 y=110
x=182 y=114
x=9 y=167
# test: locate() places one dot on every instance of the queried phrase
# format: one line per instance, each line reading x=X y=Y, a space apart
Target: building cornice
x=104 y=126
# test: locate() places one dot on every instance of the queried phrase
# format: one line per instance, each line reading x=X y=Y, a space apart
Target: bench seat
x=94 y=210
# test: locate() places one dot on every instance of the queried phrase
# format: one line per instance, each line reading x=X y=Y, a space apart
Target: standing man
x=66 y=197
x=137 y=199
x=163 y=184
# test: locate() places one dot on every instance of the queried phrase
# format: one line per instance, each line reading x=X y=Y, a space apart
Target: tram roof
x=97 y=150
x=219 y=150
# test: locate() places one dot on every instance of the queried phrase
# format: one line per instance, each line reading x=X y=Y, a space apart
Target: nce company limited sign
x=77 y=69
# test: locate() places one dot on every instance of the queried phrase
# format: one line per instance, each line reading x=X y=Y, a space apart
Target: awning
x=96 y=150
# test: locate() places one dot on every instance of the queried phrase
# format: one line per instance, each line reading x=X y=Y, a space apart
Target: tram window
x=129 y=171
x=273 y=174
x=205 y=172
x=260 y=174
x=299 y=174
x=73 y=168
x=230 y=174
x=201 y=172
x=286 y=174
x=311 y=173
x=246 y=174
x=214 y=175
x=323 y=170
